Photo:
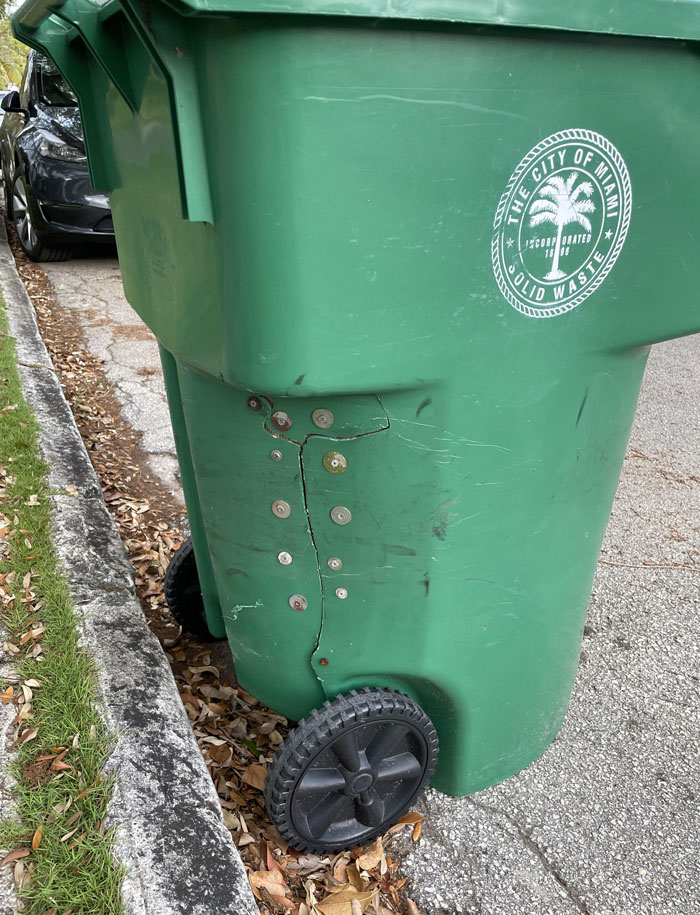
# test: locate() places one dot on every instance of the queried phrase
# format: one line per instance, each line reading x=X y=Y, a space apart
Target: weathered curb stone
x=171 y=840
x=7 y=713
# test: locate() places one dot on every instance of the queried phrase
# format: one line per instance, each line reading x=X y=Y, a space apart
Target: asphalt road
x=608 y=820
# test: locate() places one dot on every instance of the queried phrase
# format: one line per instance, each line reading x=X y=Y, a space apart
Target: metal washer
x=341 y=515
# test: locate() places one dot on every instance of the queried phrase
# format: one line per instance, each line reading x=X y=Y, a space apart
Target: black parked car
x=44 y=167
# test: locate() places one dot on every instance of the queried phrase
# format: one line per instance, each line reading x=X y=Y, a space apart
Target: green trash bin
x=405 y=263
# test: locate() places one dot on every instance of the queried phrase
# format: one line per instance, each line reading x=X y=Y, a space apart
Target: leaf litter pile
x=236 y=734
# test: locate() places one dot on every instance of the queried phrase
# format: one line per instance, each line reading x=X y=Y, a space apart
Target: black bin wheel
x=350 y=770
x=183 y=594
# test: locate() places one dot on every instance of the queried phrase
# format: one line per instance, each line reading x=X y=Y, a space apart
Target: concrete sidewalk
x=608 y=820
x=92 y=289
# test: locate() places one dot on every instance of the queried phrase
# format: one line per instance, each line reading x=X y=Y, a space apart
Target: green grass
x=77 y=873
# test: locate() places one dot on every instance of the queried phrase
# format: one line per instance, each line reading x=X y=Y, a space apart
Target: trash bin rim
x=644 y=18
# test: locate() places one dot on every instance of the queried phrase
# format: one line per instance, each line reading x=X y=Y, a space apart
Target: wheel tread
x=317 y=730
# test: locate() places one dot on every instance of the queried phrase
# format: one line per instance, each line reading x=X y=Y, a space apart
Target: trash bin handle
x=33 y=12
x=170 y=54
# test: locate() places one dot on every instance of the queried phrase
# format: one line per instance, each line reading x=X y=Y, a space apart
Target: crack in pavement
x=527 y=840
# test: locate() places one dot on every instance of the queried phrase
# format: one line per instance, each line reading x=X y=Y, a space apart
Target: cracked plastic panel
x=237 y=483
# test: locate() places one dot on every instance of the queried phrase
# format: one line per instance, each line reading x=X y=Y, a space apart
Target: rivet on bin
x=335 y=563
x=341 y=593
x=298 y=602
x=335 y=462
x=281 y=509
x=253 y=403
x=322 y=418
x=284 y=558
x=341 y=515
x=281 y=420
x=276 y=455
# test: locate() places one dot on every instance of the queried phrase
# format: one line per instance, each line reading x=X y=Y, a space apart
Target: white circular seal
x=561 y=223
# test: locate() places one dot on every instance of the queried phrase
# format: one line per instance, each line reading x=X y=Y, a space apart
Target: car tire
x=29 y=239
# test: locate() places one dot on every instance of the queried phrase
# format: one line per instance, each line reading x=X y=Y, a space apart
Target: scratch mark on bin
x=236 y=609
x=580 y=409
x=467 y=106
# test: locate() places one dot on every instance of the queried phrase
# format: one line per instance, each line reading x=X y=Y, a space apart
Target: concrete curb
x=8 y=896
x=171 y=839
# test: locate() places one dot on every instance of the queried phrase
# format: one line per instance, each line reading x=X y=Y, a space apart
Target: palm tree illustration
x=559 y=203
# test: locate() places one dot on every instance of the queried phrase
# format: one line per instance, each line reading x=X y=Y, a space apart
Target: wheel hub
x=363 y=781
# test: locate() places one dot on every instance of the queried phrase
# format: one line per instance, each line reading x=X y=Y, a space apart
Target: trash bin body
x=456 y=239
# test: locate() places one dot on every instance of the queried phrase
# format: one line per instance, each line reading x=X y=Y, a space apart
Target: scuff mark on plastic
x=580 y=409
x=238 y=607
x=467 y=106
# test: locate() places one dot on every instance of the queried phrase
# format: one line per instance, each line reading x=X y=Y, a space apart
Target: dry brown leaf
x=15 y=856
x=244 y=839
x=7 y=695
x=411 y=817
x=36 y=838
x=370 y=858
x=412 y=908
x=341 y=903
x=340 y=870
x=356 y=880
x=416 y=832
x=220 y=754
x=271 y=881
x=255 y=775
x=26 y=736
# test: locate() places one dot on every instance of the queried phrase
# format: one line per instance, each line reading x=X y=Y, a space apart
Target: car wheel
x=29 y=239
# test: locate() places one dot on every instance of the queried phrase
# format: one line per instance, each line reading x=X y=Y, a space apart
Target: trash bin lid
x=649 y=18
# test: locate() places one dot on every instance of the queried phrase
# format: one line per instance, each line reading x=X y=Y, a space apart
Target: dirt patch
x=237 y=736
x=37 y=773
x=131 y=332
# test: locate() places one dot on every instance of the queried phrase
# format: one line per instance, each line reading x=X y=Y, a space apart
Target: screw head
x=323 y=662
x=341 y=515
x=335 y=564
x=342 y=593
x=298 y=602
x=284 y=558
x=322 y=418
x=253 y=403
x=281 y=509
x=335 y=462
x=276 y=455
x=281 y=420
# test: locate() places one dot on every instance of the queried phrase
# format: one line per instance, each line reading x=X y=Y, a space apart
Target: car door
x=13 y=124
